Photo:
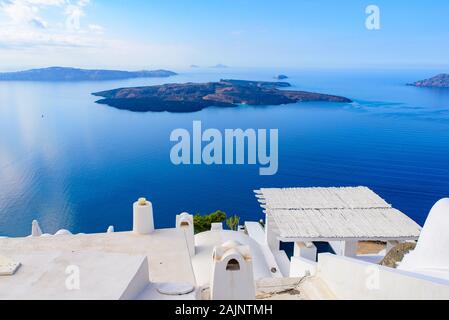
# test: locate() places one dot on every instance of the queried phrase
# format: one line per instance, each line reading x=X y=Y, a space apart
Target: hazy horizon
x=174 y=34
x=277 y=70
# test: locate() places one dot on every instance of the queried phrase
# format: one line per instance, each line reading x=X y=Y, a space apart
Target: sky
x=144 y=34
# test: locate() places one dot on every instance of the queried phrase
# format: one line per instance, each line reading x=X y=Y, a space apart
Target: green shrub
x=233 y=222
x=203 y=223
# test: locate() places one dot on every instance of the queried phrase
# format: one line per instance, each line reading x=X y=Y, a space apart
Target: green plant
x=233 y=222
x=203 y=223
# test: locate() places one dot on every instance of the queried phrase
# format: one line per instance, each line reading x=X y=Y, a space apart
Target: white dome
x=63 y=232
x=184 y=214
x=431 y=255
x=231 y=244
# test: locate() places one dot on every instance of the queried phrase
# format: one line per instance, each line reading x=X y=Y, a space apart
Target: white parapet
x=301 y=267
x=232 y=275
x=143 y=217
x=350 y=278
x=184 y=221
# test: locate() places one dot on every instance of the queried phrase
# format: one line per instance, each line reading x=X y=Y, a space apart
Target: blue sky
x=136 y=34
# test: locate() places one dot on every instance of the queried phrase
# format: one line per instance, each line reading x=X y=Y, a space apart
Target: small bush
x=233 y=222
x=203 y=223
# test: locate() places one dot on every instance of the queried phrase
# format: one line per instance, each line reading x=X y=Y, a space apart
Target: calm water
x=76 y=165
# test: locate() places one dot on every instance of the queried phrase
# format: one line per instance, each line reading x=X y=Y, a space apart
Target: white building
x=149 y=263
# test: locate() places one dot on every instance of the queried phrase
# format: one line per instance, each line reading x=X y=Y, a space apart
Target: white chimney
x=143 y=217
x=184 y=221
x=232 y=275
x=216 y=226
x=36 y=230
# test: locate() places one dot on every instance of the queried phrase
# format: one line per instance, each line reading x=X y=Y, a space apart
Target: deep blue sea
x=77 y=165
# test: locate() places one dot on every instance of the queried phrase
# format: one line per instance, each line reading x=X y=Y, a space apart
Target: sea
x=73 y=164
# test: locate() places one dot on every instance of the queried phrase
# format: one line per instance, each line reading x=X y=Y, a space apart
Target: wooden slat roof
x=326 y=214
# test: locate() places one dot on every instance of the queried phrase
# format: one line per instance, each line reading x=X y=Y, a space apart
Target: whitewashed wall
x=349 y=278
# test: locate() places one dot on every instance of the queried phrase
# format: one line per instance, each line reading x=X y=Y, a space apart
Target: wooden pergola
x=305 y=215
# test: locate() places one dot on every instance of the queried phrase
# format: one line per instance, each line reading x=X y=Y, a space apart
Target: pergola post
x=306 y=250
x=344 y=248
x=270 y=236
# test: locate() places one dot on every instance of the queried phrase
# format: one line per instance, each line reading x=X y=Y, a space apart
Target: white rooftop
x=108 y=263
x=102 y=276
x=160 y=264
x=327 y=214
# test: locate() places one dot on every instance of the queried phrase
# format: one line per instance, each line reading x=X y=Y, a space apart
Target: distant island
x=281 y=77
x=220 y=66
x=191 y=97
x=194 y=66
x=73 y=74
x=439 y=81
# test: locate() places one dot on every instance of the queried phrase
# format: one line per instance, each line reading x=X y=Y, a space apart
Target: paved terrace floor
x=41 y=258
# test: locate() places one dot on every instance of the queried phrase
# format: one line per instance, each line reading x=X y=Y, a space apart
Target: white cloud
x=23 y=24
x=16 y=38
x=36 y=33
x=74 y=13
x=96 y=28
x=27 y=11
